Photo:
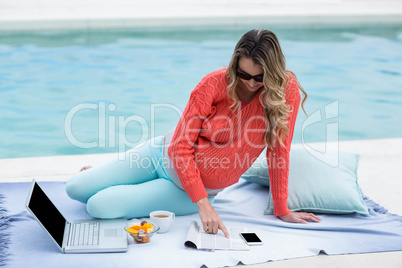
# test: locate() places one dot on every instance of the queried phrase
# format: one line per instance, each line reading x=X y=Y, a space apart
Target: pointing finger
x=224 y=230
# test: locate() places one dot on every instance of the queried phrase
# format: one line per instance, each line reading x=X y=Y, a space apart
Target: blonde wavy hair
x=262 y=47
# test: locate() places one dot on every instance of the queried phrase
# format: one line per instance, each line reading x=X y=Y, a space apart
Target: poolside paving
x=158 y=14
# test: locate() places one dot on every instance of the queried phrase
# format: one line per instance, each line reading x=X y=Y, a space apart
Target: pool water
x=67 y=93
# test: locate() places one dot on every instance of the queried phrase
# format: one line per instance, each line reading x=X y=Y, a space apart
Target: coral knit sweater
x=212 y=147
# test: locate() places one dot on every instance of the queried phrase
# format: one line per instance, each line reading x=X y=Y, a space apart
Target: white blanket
x=240 y=205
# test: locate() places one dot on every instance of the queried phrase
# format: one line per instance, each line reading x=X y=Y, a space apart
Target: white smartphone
x=251 y=239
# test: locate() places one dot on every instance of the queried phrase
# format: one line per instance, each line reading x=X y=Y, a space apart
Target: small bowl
x=142 y=237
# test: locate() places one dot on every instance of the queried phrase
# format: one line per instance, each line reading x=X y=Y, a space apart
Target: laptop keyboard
x=84 y=234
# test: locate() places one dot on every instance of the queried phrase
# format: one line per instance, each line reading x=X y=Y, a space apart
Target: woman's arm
x=181 y=151
x=278 y=155
x=182 y=148
x=211 y=222
x=278 y=162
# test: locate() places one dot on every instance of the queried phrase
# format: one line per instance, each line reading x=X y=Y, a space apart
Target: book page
x=197 y=238
x=221 y=242
x=192 y=236
x=207 y=241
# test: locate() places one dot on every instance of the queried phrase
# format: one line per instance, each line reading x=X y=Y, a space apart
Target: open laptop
x=80 y=236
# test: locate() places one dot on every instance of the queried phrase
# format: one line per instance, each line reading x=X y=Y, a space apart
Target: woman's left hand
x=299 y=217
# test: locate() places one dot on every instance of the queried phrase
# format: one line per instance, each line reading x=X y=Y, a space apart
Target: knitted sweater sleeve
x=278 y=156
x=181 y=150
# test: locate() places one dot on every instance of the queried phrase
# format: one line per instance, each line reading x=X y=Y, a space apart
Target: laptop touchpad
x=113 y=232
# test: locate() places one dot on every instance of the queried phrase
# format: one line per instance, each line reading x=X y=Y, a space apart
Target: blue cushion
x=258 y=172
x=315 y=186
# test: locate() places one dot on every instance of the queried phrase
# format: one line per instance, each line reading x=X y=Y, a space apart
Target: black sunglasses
x=246 y=76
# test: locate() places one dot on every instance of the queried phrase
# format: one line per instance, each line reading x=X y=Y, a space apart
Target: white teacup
x=163 y=219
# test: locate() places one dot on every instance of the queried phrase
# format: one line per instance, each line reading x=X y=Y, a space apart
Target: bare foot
x=85 y=168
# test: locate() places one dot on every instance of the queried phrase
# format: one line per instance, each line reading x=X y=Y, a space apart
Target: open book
x=198 y=239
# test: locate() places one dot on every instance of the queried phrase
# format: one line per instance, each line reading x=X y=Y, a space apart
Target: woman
x=231 y=116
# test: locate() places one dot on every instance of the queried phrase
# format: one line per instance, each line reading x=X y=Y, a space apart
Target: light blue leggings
x=130 y=188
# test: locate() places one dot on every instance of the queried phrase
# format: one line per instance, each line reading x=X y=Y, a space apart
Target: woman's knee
x=95 y=207
x=110 y=203
x=75 y=189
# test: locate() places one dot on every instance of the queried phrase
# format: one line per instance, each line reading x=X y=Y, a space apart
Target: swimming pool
x=67 y=93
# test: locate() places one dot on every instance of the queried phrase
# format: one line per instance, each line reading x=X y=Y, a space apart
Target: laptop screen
x=47 y=214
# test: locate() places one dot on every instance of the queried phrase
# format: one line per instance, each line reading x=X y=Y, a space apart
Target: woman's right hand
x=211 y=222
